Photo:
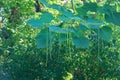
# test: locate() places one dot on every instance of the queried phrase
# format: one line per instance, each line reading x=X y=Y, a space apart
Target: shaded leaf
x=63 y=18
x=105 y=33
x=75 y=18
x=46 y=17
x=65 y=12
x=35 y=23
x=45 y=3
x=90 y=6
x=44 y=39
x=106 y=9
x=81 y=42
x=113 y=17
x=58 y=7
x=57 y=29
x=68 y=13
x=81 y=11
x=62 y=37
x=82 y=27
x=74 y=31
x=87 y=7
x=94 y=24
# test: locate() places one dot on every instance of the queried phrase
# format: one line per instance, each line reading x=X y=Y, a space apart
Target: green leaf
x=106 y=9
x=63 y=18
x=82 y=10
x=68 y=13
x=57 y=29
x=62 y=10
x=45 y=3
x=62 y=38
x=46 y=17
x=44 y=38
x=58 y=7
x=90 y=6
x=94 y=24
x=105 y=33
x=69 y=17
x=74 y=31
x=81 y=42
x=76 y=18
x=36 y=23
x=113 y=17
x=82 y=27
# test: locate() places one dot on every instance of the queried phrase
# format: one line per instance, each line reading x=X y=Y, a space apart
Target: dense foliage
x=60 y=40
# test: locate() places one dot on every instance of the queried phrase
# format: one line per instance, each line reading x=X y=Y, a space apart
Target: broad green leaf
x=68 y=13
x=94 y=24
x=57 y=29
x=44 y=39
x=62 y=37
x=62 y=10
x=82 y=27
x=36 y=23
x=66 y=18
x=58 y=7
x=105 y=33
x=63 y=18
x=81 y=42
x=106 y=9
x=46 y=17
x=75 y=18
x=90 y=6
x=113 y=17
x=82 y=10
x=45 y=3
x=74 y=31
